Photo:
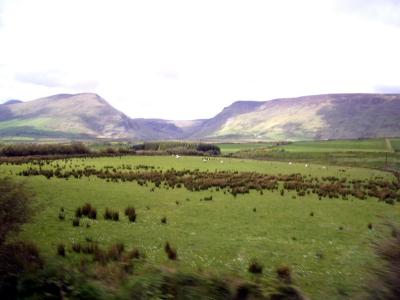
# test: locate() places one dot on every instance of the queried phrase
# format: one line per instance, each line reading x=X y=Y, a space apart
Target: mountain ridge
x=326 y=116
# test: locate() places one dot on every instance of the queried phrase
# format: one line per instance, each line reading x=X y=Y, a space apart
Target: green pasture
x=395 y=144
x=368 y=145
x=328 y=252
x=235 y=147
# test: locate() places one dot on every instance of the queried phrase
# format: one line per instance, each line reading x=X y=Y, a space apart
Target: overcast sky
x=188 y=59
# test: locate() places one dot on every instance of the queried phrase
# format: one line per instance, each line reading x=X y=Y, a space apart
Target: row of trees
x=44 y=149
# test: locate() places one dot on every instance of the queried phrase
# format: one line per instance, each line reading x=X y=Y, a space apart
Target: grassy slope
x=224 y=234
x=38 y=123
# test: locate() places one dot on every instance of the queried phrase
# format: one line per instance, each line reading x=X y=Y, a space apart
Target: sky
x=187 y=59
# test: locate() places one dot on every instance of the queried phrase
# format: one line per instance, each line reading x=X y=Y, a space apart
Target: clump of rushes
x=78 y=212
x=131 y=213
x=370 y=226
x=87 y=210
x=115 y=251
x=61 y=215
x=61 y=250
x=75 y=222
x=171 y=252
x=110 y=214
x=92 y=214
x=163 y=220
x=284 y=274
x=255 y=267
x=134 y=254
x=89 y=248
x=76 y=247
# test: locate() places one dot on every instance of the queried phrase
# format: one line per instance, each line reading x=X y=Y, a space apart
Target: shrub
x=255 y=267
x=115 y=251
x=134 y=254
x=75 y=222
x=87 y=210
x=89 y=248
x=163 y=220
x=61 y=215
x=78 y=212
x=115 y=216
x=110 y=214
x=15 y=206
x=284 y=274
x=100 y=256
x=131 y=213
x=92 y=214
x=76 y=247
x=386 y=282
x=61 y=250
x=16 y=259
x=171 y=252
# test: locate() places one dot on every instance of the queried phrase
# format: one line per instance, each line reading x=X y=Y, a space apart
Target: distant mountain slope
x=211 y=126
x=333 y=116
x=82 y=115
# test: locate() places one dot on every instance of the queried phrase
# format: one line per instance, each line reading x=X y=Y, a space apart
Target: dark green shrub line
x=44 y=149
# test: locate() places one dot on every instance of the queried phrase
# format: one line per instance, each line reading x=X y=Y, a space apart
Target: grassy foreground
x=326 y=242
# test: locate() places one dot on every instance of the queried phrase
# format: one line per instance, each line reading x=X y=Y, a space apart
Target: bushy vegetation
x=385 y=284
x=183 y=148
x=239 y=183
x=130 y=212
x=44 y=149
x=15 y=206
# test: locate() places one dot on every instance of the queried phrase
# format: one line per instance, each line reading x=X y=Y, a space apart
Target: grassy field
x=235 y=147
x=395 y=144
x=329 y=252
x=370 y=145
x=371 y=153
